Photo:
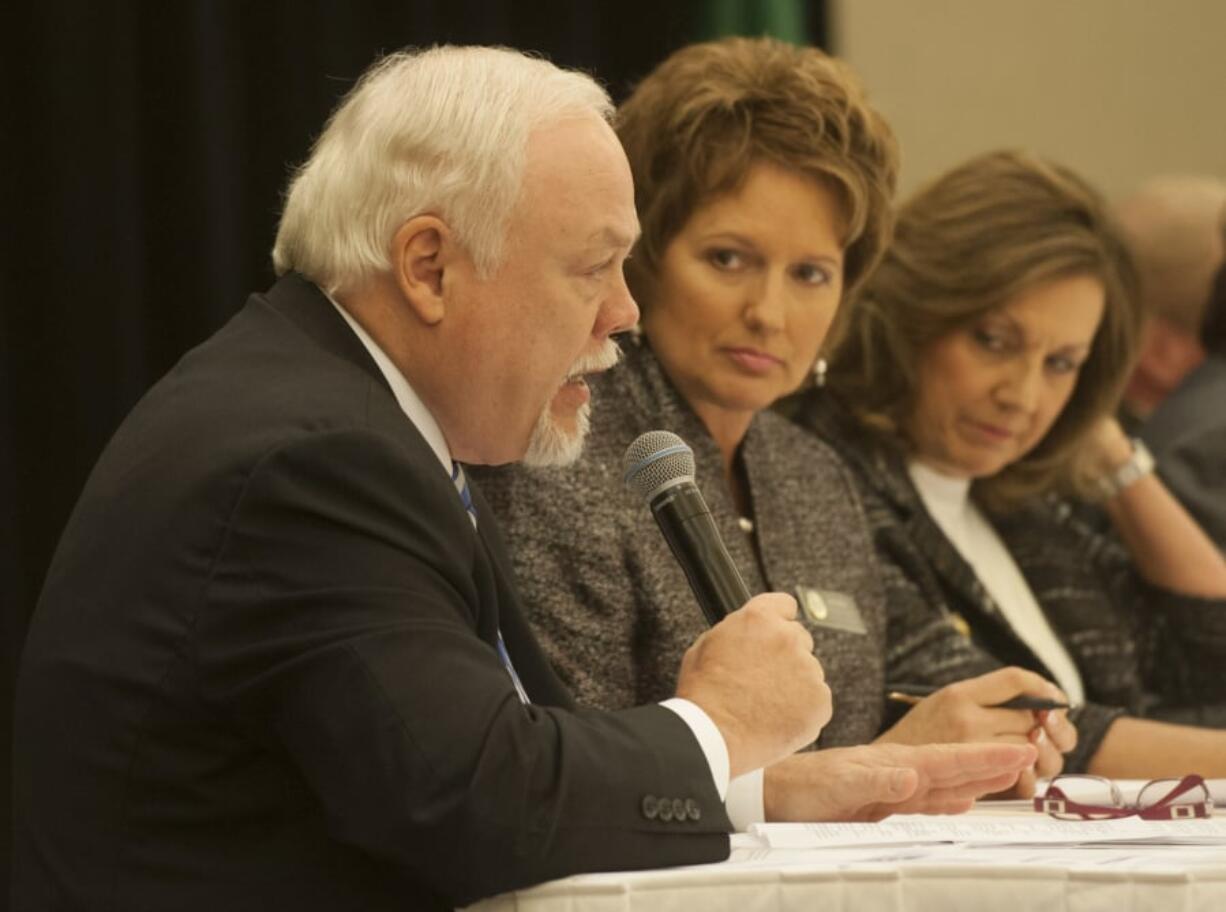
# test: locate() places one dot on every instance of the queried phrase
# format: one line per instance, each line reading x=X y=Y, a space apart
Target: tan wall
x=1118 y=89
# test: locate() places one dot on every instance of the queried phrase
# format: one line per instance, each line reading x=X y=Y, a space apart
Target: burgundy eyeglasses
x=1160 y=799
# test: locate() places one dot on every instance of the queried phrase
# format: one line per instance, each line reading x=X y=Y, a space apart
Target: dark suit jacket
x=261 y=676
x=1187 y=433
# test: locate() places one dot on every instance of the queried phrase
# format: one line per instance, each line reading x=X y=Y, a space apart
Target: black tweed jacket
x=1141 y=650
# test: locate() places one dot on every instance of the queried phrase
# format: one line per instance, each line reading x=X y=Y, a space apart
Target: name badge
x=827 y=608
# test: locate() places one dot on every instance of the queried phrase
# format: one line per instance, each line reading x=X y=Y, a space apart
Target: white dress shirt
x=742 y=796
x=949 y=503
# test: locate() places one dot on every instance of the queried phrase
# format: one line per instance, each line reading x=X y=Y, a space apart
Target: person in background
x=279 y=661
x=1187 y=432
x=1173 y=229
x=763 y=183
x=972 y=393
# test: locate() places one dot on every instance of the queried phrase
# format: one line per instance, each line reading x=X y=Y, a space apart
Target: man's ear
x=421 y=252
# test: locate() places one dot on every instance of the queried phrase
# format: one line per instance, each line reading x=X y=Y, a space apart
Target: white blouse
x=948 y=501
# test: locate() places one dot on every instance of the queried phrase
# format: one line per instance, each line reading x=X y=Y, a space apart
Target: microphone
x=660 y=468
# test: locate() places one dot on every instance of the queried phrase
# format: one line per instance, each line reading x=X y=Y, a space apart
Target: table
x=875 y=888
x=941 y=879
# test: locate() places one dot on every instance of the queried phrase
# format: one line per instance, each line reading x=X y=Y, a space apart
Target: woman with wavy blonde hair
x=972 y=394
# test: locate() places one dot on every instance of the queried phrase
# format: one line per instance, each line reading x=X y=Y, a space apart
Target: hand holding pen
x=1009 y=704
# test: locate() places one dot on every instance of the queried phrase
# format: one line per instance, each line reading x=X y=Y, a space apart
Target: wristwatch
x=1139 y=464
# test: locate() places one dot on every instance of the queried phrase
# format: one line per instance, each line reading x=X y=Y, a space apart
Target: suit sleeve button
x=679 y=812
x=692 y=810
x=666 y=810
x=650 y=807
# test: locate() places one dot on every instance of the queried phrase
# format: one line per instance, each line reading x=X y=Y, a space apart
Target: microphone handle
x=686 y=523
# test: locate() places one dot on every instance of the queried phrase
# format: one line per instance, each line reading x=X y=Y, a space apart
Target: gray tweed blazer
x=614 y=611
x=1141 y=650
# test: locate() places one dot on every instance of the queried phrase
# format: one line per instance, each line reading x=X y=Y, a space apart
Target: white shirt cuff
x=744 y=803
x=709 y=739
x=742 y=796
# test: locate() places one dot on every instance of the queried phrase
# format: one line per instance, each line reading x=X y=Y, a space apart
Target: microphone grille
x=655 y=460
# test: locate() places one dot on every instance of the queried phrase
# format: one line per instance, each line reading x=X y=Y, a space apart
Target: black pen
x=913 y=693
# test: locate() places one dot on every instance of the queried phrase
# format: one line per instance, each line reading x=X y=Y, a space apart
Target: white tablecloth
x=879 y=888
x=764 y=875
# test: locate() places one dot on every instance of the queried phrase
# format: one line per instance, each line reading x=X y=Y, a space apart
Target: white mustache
x=604 y=358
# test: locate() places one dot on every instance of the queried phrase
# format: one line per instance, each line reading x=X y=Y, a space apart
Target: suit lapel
x=967 y=594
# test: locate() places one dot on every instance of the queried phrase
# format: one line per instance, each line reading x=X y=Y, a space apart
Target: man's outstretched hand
x=872 y=781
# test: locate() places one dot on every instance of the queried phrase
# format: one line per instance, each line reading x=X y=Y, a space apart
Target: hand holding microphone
x=753 y=672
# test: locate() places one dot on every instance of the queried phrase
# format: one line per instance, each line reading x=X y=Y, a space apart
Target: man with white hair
x=279 y=662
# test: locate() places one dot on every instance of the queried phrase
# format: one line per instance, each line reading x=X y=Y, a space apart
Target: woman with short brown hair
x=763 y=182
x=696 y=126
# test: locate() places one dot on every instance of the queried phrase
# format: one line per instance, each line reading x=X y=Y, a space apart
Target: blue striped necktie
x=461 y=485
x=466 y=498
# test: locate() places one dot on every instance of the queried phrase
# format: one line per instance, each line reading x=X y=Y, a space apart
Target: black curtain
x=146 y=145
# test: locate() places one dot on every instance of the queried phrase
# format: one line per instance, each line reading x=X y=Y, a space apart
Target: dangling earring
x=819 y=373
